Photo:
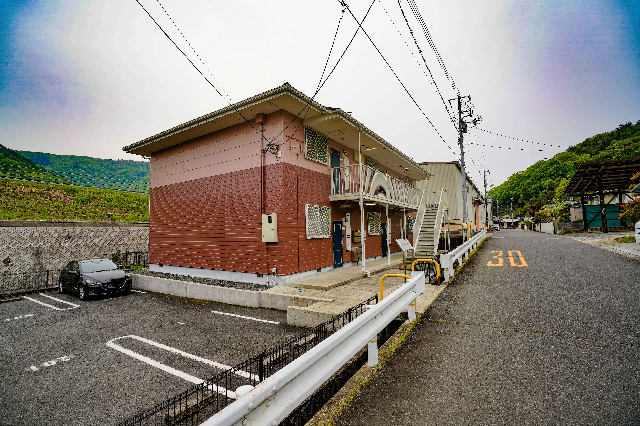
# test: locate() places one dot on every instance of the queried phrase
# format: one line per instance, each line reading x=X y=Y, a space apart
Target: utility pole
x=462 y=128
x=486 y=208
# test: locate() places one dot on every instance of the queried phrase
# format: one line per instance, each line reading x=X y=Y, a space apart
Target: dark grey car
x=93 y=277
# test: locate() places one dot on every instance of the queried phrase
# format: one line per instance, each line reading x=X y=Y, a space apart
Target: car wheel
x=82 y=292
x=126 y=289
x=60 y=287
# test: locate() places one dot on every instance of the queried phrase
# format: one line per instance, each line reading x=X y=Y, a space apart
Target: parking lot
x=67 y=362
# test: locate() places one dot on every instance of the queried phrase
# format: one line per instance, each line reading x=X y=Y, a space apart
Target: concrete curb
x=228 y=295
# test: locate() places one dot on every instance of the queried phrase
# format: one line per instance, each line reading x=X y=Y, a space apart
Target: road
x=552 y=342
x=58 y=369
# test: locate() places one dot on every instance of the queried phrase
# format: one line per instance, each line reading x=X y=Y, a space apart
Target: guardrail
x=201 y=401
x=447 y=260
x=272 y=400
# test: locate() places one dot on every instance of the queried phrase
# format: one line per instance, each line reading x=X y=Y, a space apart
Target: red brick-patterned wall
x=215 y=222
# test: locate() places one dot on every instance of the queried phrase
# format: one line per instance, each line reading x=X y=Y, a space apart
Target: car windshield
x=97 y=265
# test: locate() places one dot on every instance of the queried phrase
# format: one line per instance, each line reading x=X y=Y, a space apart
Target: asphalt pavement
x=58 y=369
x=552 y=342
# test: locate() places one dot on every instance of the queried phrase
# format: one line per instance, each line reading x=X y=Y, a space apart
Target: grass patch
x=627 y=239
x=41 y=201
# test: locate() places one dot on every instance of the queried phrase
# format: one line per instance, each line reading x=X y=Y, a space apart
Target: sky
x=88 y=78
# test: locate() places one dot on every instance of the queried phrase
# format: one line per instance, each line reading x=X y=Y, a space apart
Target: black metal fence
x=16 y=283
x=131 y=258
x=201 y=401
x=12 y=283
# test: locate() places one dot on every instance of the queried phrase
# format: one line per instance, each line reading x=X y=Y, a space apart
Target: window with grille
x=318 y=220
x=316 y=146
x=373 y=223
x=371 y=162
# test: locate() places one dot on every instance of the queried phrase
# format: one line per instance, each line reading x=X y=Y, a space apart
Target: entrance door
x=335 y=172
x=337 y=244
x=383 y=226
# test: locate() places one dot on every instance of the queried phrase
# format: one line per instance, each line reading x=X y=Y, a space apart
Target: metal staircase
x=429 y=234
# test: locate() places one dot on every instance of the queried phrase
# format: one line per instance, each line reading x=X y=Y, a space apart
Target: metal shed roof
x=615 y=175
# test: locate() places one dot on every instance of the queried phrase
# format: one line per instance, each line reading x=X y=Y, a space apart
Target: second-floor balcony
x=347 y=183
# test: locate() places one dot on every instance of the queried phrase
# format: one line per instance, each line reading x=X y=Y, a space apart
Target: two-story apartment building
x=273 y=188
x=448 y=176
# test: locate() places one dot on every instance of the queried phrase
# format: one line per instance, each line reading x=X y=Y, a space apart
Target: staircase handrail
x=418 y=223
x=438 y=225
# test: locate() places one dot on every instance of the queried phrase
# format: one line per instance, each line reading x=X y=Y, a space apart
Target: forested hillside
x=124 y=175
x=14 y=165
x=545 y=180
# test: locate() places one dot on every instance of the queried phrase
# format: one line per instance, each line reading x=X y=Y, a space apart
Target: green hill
x=40 y=201
x=123 y=175
x=14 y=165
x=540 y=183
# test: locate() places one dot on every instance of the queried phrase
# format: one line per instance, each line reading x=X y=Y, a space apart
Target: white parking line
x=19 y=317
x=46 y=304
x=60 y=300
x=138 y=291
x=185 y=376
x=242 y=316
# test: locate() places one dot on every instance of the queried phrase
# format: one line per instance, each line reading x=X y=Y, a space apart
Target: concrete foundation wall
x=30 y=246
x=230 y=296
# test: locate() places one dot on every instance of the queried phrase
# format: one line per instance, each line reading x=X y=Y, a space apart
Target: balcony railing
x=346 y=184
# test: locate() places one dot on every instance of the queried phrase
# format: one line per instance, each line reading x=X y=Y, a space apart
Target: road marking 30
x=242 y=316
x=185 y=376
x=512 y=260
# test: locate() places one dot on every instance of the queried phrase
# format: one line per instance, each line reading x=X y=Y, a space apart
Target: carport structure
x=600 y=178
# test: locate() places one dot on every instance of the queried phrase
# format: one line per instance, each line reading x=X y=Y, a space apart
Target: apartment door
x=385 y=248
x=337 y=244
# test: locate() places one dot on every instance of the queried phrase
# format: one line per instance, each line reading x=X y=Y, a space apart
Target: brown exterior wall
x=215 y=222
x=206 y=211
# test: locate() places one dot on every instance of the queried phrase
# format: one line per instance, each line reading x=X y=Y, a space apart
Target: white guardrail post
x=448 y=260
x=273 y=399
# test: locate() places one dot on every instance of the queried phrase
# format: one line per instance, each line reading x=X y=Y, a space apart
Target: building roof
x=335 y=123
x=457 y=164
x=615 y=175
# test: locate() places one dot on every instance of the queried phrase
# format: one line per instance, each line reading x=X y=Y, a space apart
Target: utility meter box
x=356 y=254
x=356 y=237
x=270 y=228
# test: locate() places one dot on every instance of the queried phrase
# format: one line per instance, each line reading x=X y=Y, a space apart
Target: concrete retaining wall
x=570 y=226
x=547 y=228
x=31 y=245
x=228 y=295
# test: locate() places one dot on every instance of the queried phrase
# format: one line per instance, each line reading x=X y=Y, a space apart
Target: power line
x=194 y=66
x=518 y=139
x=396 y=75
x=228 y=98
x=430 y=75
x=427 y=34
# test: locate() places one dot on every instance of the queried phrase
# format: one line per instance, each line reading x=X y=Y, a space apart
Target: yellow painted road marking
x=513 y=263
x=498 y=257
